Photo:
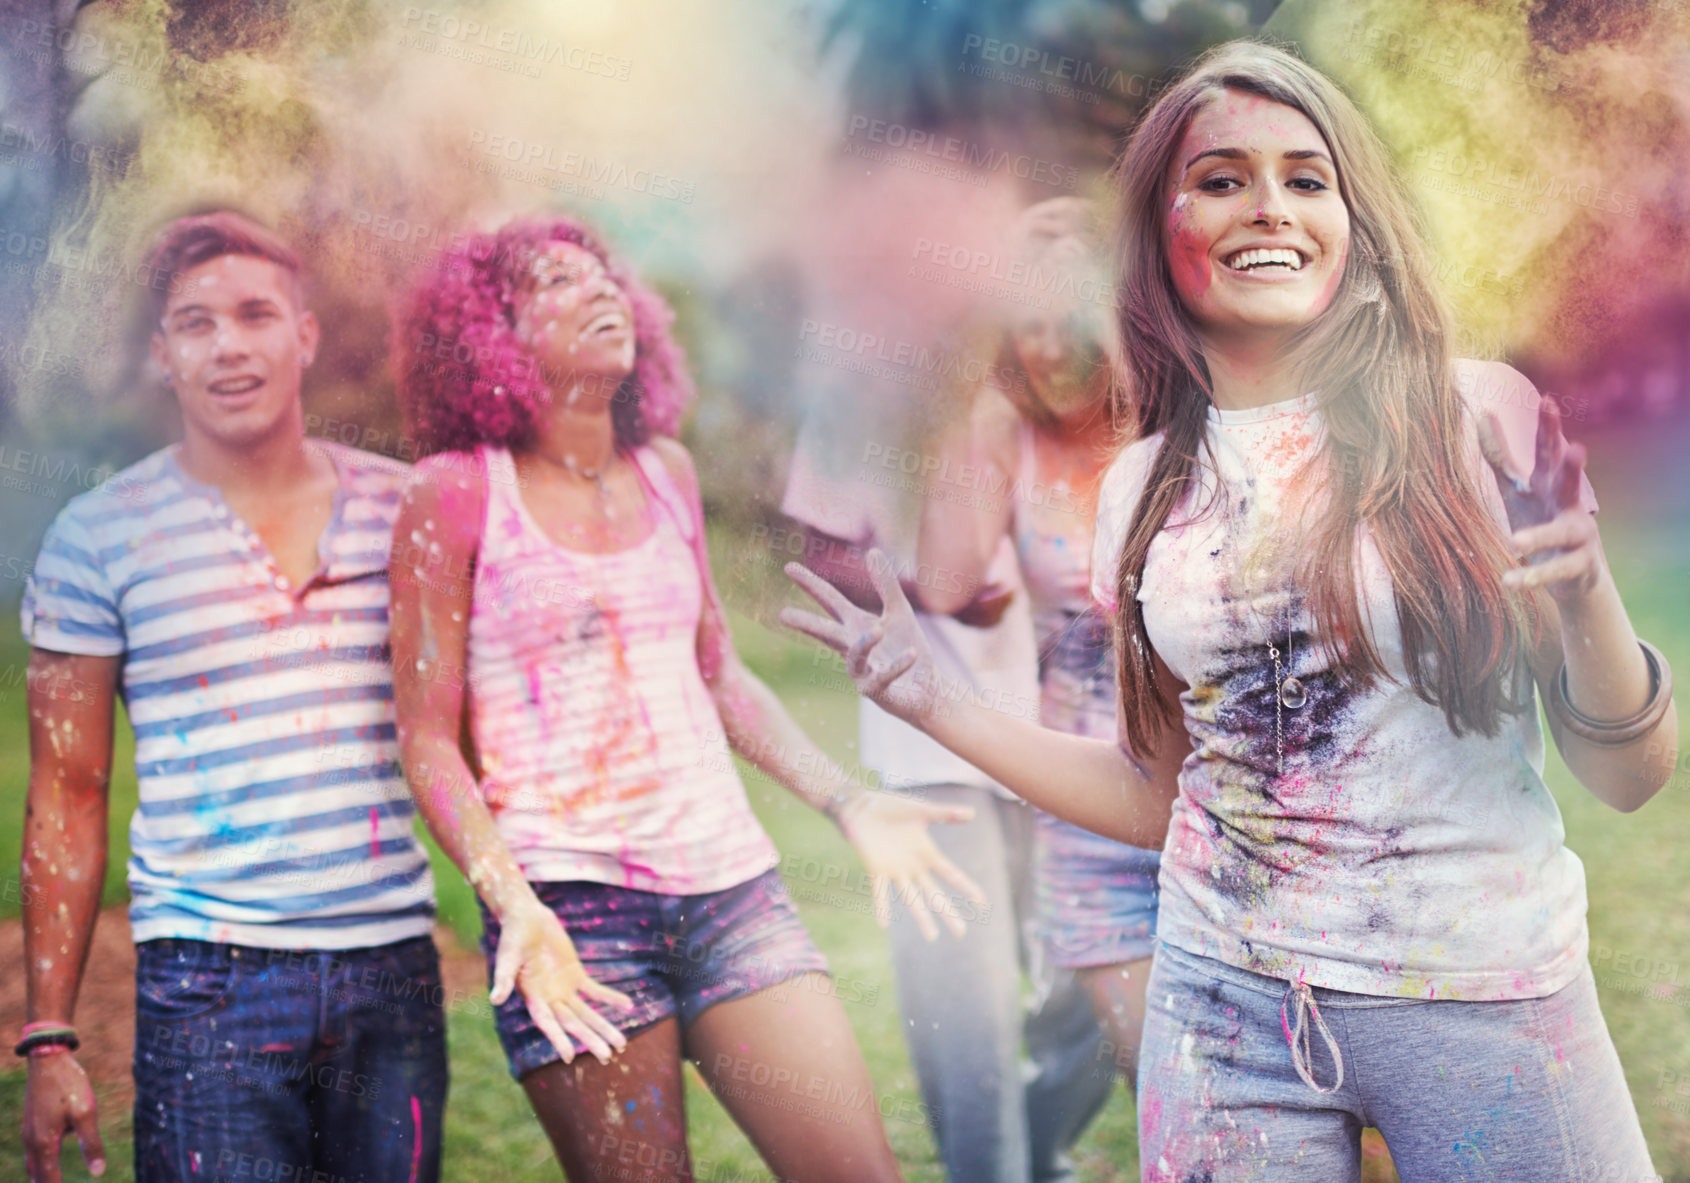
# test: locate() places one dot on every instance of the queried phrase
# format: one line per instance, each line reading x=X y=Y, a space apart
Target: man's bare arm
x=72 y=702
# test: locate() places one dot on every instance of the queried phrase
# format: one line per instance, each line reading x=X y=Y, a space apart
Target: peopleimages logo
x=30 y=250
x=16 y=139
x=917 y=358
x=56 y=470
x=1445 y=59
x=516 y=43
x=1057 y=69
x=967 y=153
x=542 y=159
x=1065 y=282
x=1522 y=186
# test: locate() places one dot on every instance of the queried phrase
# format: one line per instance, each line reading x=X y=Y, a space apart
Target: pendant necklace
x=1289 y=693
x=596 y=475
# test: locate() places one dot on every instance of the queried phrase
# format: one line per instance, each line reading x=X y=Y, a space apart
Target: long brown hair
x=1392 y=453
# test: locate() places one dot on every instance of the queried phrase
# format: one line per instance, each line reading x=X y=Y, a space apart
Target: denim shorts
x=672 y=954
x=1096 y=897
x=1526 y=1090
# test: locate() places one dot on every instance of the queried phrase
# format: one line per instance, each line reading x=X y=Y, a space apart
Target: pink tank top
x=603 y=756
x=1075 y=638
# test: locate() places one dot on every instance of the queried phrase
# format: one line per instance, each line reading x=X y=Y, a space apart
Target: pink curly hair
x=466 y=379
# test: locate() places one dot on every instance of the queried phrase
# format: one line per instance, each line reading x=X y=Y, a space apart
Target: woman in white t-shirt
x=1368 y=915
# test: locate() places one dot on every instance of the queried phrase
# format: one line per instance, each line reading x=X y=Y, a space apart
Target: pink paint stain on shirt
x=591 y=710
x=375 y=832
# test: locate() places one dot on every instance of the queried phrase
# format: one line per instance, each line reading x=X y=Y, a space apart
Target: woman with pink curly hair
x=549 y=558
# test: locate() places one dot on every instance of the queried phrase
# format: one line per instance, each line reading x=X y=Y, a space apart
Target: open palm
x=886 y=656
x=890 y=835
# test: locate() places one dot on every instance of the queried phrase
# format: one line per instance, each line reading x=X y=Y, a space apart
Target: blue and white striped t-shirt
x=273 y=812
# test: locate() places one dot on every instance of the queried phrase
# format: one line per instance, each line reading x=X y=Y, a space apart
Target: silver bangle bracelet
x=1619 y=731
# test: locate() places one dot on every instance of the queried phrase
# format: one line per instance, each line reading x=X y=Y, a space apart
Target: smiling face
x=233 y=342
x=1258 y=230
x=578 y=321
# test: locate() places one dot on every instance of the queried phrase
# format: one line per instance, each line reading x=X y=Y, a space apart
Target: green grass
x=1639 y=884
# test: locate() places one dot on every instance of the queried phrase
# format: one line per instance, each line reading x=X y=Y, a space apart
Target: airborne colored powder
x=1546 y=142
x=700 y=141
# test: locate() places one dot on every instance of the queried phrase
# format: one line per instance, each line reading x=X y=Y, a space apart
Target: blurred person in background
x=965 y=1015
x=1034 y=451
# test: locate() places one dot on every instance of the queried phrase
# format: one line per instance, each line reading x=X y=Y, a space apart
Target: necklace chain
x=1288 y=690
x=596 y=475
x=1288 y=693
x=1278 y=710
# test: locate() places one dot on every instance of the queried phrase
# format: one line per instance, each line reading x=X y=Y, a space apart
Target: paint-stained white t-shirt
x=1355 y=842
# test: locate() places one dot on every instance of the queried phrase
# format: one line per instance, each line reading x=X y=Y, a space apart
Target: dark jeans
x=287 y=1065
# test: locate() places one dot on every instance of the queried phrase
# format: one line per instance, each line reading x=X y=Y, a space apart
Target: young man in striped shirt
x=232 y=588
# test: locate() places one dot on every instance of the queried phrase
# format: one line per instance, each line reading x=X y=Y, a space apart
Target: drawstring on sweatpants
x=1299 y=1039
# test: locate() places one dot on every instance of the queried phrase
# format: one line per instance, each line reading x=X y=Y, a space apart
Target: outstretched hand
x=536 y=956
x=890 y=835
x=1552 y=532
x=886 y=656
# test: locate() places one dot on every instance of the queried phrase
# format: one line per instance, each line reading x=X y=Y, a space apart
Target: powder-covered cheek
x=1188 y=252
x=1335 y=276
